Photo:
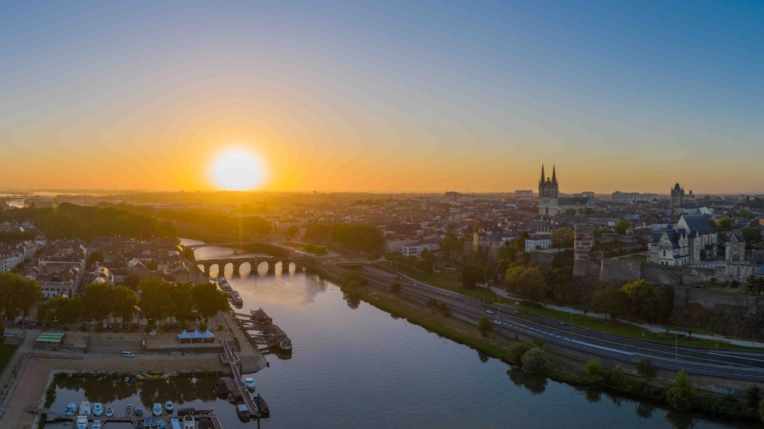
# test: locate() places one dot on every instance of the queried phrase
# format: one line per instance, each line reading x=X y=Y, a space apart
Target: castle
x=678 y=197
x=550 y=203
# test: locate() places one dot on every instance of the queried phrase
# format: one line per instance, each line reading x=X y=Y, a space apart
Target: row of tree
x=354 y=237
x=218 y=222
x=10 y=236
x=158 y=300
x=639 y=299
x=72 y=221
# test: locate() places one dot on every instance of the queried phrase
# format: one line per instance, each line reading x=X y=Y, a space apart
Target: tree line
x=218 y=222
x=18 y=295
x=69 y=221
x=11 y=236
x=159 y=300
x=639 y=299
x=355 y=237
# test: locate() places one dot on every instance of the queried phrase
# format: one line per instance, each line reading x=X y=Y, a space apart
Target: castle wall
x=615 y=270
x=720 y=302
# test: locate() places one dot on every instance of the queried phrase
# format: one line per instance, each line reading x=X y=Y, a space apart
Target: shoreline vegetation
x=557 y=368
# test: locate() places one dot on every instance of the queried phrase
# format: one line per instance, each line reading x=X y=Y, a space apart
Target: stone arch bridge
x=273 y=261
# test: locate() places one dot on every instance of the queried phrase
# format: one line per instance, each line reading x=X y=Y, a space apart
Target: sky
x=392 y=96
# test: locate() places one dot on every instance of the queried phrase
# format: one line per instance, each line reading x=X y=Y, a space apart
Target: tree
x=761 y=410
x=594 y=369
x=95 y=256
x=534 y=361
x=209 y=300
x=750 y=234
x=622 y=226
x=189 y=254
x=753 y=396
x=357 y=237
x=562 y=237
x=184 y=302
x=18 y=295
x=520 y=241
x=395 y=288
x=724 y=224
x=484 y=326
x=448 y=244
x=645 y=368
x=681 y=394
x=511 y=276
x=648 y=302
x=68 y=310
x=570 y=212
x=132 y=281
x=157 y=296
x=124 y=301
x=471 y=275
x=610 y=301
x=97 y=301
x=531 y=285
x=316 y=233
x=292 y=231
x=517 y=351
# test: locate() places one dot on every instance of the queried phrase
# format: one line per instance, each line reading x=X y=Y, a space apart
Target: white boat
x=82 y=422
x=109 y=412
x=85 y=408
x=96 y=424
x=129 y=409
x=189 y=422
x=97 y=409
x=174 y=423
x=249 y=383
x=168 y=407
x=71 y=409
x=157 y=410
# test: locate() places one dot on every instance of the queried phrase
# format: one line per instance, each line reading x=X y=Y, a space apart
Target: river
x=355 y=366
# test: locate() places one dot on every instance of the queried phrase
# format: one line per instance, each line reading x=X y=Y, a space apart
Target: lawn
x=6 y=352
x=626 y=329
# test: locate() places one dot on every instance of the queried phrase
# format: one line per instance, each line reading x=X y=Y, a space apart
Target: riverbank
x=560 y=367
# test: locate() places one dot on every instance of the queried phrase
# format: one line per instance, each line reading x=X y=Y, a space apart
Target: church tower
x=677 y=196
x=549 y=191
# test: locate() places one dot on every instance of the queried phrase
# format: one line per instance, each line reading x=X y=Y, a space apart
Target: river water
x=355 y=366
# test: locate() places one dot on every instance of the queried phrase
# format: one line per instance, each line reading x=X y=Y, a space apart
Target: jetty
x=235 y=386
x=259 y=328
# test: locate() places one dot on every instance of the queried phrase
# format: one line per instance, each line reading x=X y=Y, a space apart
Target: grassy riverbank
x=559 y=368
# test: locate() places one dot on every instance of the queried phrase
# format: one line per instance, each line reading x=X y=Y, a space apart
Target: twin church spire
x=553 y=180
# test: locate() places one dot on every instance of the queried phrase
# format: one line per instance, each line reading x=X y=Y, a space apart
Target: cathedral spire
x=542 y=175
x=554 y=175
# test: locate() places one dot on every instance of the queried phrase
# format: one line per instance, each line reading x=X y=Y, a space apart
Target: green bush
x=220 y=328
x=646 y=369
x=619 y=380
x=594 y=369
x=534 y=361
x=538 y=342
x=516 y=352
x=681 y=394
x=484 y=326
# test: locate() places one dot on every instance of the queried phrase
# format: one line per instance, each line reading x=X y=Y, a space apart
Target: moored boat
x=97 y=409
x=189 y=422
x=71 y=409
x=109 y=412
x=129 y=409
x=85 y=408
x=157 y=409
x=82 y=422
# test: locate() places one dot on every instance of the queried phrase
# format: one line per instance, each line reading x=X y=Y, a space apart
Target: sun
x=237 y=169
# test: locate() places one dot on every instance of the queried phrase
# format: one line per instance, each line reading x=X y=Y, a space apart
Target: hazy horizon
x=383 y=97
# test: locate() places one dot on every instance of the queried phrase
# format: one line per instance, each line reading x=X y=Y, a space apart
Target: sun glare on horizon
x=237 y=169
